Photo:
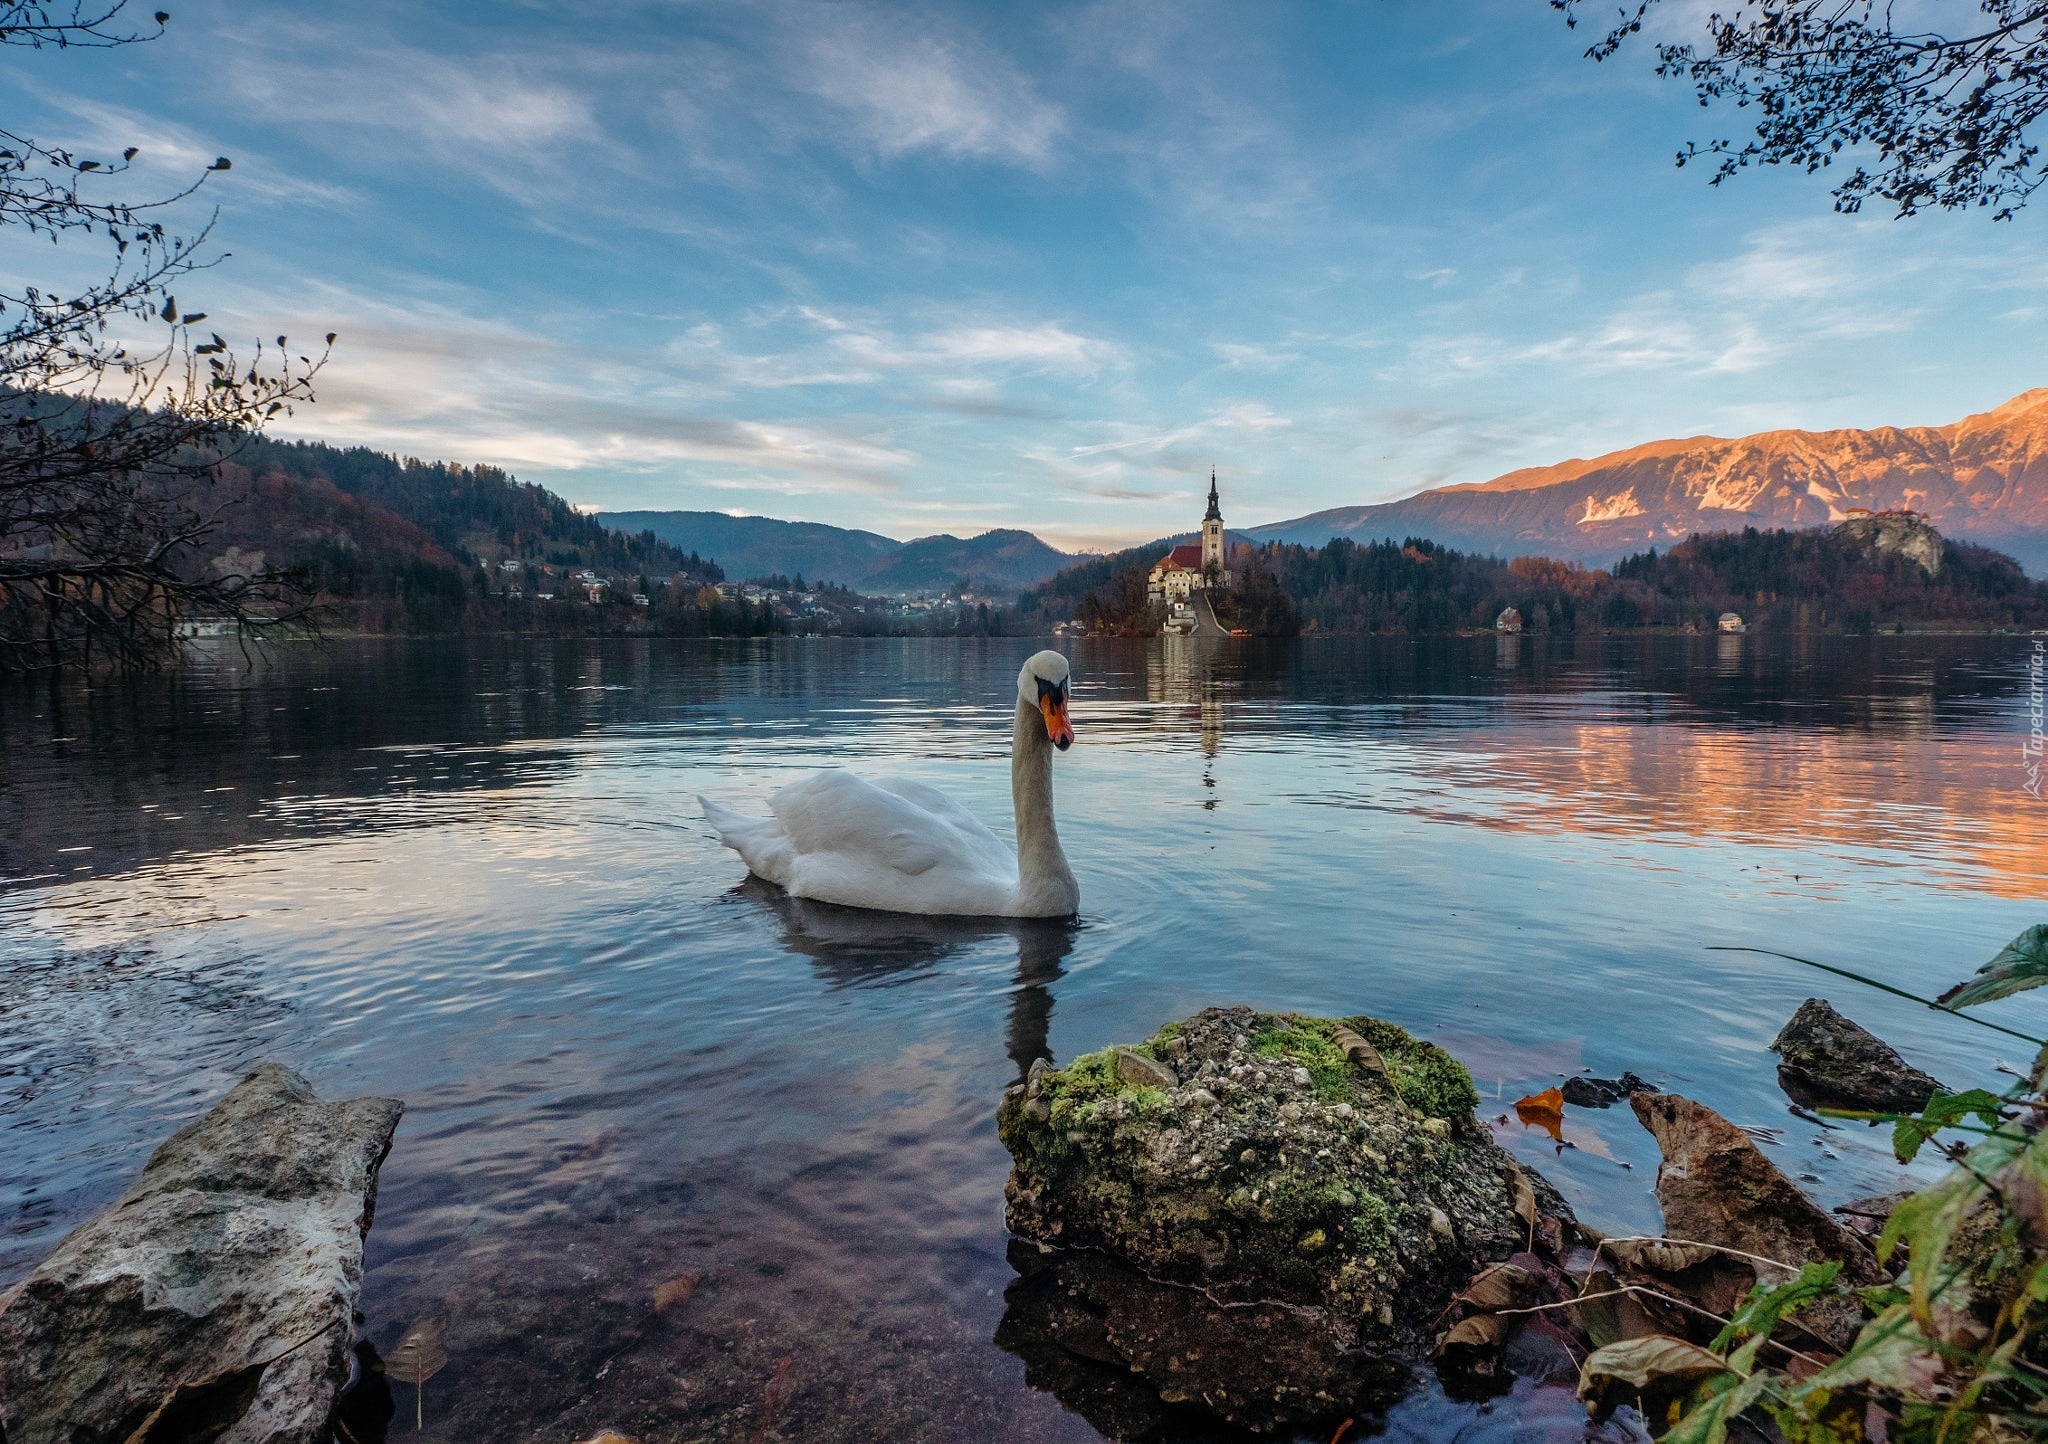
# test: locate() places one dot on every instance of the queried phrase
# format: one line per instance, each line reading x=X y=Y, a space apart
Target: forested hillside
x=384 y=544
x=1850 y=578
x=474 y=512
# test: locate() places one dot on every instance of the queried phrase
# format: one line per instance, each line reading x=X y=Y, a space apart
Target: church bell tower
x=1212 y=539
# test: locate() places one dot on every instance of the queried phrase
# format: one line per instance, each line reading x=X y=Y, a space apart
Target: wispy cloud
x=905 y=89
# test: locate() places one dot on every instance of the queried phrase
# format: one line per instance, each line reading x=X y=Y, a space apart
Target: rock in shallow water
x=1826 y=1061
x=1582 y=1092
x=1716 y=1187
x=218 y=1293
x=1269 y=1165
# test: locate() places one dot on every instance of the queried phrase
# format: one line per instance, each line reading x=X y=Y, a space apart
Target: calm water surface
x=473 y=877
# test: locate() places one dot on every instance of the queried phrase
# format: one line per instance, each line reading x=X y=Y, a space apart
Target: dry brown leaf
x=419 y=1355
x=1503 y=1286
x=609 y=1436
x=675 y=1293
x=1524 y=1195
x=1665 y=1258
x=1597 y=1311
x=1358 y=1050
x=1636 y=1366
x=1657 y=1254
x=1481 y=1331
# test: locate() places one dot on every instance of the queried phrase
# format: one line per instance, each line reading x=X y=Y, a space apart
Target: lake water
x=472 y=876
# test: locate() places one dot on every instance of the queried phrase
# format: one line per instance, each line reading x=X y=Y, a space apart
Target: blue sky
x=948 y=267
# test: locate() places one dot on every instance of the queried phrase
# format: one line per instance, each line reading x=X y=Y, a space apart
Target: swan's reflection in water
x=859 y=947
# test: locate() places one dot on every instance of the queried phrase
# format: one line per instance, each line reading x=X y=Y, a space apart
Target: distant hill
x=760 y=546
x=1983 y=479
x=1002 y=560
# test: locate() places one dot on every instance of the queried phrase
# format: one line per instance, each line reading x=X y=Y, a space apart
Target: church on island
x=1195 y=566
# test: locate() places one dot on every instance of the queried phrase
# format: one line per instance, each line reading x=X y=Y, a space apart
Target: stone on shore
x=1826 y=1061
x=1260 y=1161
x=216 y=1298
x=1716 y=1187
x=1583 y=1092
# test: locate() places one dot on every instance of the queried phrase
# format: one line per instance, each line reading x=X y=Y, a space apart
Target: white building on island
x=1196 y=565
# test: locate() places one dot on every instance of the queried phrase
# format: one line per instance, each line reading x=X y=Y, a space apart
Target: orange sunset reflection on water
x=1952 y=807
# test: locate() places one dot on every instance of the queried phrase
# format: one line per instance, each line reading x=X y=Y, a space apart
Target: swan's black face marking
x=1052 y=702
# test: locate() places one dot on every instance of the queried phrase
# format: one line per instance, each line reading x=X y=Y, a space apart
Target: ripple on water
x=474 y=878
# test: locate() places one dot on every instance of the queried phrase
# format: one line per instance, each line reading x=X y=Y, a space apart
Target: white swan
x=902 y=847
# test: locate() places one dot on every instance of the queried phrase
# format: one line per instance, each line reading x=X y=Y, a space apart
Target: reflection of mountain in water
x=859 y=947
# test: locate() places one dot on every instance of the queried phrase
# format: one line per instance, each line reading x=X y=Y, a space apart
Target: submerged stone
x=216 y=1298
x=1270 y=1168
x=1826 y=1061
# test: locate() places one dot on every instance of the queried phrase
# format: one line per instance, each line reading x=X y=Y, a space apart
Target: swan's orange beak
x=1057 y=727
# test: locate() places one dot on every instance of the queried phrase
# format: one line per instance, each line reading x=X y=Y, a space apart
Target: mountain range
x=760 y=546
x=1984 y=478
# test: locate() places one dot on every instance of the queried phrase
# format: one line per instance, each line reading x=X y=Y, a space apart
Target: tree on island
x=1921 y=118
x=111 y=428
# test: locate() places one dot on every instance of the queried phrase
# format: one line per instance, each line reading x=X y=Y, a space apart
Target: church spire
x=1215 y=512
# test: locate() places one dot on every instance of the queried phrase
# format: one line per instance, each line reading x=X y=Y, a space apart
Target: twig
x=1665 y=1298
x=1887 y=988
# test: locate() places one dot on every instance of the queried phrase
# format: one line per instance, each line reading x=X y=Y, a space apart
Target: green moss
x=1372 y=1226
x=1306 y=1042
x=1302 y=1200
x=1154 y=1047
x=1425 y=1077
x=1149 y=1100
x=1073 y=1092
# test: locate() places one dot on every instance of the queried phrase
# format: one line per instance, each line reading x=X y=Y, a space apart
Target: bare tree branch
x=115 y=412
x=1918 y=119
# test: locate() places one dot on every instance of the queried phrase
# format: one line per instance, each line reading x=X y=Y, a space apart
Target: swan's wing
x=836 y=813
x=760 y=841
x=935 y=802
x=975 y=838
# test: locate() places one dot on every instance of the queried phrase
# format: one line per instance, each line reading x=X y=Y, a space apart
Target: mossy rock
x=1272 y=1167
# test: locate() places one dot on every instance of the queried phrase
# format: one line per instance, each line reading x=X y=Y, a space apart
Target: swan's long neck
x=1045 y=884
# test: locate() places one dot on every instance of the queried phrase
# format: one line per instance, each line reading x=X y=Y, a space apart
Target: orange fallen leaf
x=675 y=1293
x=1543 y=1110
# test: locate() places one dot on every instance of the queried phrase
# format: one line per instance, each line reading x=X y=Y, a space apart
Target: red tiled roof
x=1189 y=556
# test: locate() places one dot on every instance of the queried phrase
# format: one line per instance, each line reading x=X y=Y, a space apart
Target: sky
x=942 y=268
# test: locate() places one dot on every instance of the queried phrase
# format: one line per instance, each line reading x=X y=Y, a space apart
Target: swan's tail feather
x=760 y=841
x=722 y=818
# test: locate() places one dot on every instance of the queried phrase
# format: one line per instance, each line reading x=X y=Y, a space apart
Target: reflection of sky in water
x=476 y=880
